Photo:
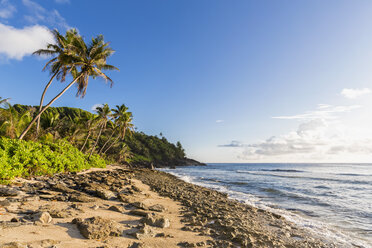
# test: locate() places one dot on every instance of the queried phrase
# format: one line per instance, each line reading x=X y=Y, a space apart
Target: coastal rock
x=80 y=198
x=4 y=203
x=105 y=194
x=13 y=245
x=5 y=191
x=55 y=213
x=138 y=212
x=156 y=220
x=62 y=188
x=157 y=208
x=139 y=205
x=138 y=245
x=98 y=228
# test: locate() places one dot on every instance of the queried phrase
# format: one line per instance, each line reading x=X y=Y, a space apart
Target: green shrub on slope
x=19 y=158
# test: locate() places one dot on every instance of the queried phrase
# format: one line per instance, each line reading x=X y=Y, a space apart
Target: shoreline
x=136 y=208
x=230 y=222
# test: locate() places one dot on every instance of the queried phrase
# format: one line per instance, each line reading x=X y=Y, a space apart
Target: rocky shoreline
x=229 y=222
x=119 y=207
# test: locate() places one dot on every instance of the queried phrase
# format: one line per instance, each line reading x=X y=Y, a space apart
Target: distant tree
x=12 y=122
x=104 y=113
x=123 y=120
x=90 y=123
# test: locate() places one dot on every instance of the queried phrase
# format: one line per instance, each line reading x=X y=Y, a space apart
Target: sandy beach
x=121 y=207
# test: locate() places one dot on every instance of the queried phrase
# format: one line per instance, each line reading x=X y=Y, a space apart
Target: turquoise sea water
x=334 y=200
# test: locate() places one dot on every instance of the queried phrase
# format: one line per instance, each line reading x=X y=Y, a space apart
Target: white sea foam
x=318 y=229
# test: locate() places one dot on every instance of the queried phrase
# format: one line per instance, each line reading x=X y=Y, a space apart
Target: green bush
x=19 y=158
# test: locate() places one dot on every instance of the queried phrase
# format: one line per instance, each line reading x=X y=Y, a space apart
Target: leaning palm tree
x=90 y=124
x=59 y=66
x=113 y=128
x=104 y=113
x=123 y=120
x=85 y=61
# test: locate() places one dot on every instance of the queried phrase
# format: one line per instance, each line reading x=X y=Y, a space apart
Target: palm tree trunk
x=46 y=107
x=112 y=134
x=95 y=144
x=111 y=144
x=85 y=142
x=42 y=101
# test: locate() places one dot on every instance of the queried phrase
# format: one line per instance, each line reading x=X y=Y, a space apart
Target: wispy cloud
x=17 y=43
x=6 y=9
x=355 y=93
x=219 y=121
x=323 y=111
x=62 y=1
x=233 y=143
x=39 y=14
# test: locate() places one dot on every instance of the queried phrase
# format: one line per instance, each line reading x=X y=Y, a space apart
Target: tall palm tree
x=104 y=113
x=85 y=61
x=59 y=66
x=123 y=120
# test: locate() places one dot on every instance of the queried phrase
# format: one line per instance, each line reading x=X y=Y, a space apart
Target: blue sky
x=234 y=81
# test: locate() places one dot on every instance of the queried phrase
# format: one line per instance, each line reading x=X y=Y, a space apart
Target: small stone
x=115 y=208
x=139 y=205
x=14 y=219
x=138 y=245
x=138 y=212
x=80 y=198
x=156 y=220
x=145 y=232
x=55 y=213
x=105 y=194
x=157 y=208
x=95 y=207
x=42 y=218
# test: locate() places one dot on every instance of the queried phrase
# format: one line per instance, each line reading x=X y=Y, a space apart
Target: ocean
x=332 y=200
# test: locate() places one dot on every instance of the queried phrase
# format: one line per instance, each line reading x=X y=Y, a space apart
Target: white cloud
x=219 y=121
x=355 y=93
x=328 y=134
x=323 y=111
x=94 y=107
x=314 y=140
x=6 y=9
x=17 y=43
x=39 y=14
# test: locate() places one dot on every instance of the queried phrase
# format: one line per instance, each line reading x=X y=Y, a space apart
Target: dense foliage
x=73 y=125
x=19 y=158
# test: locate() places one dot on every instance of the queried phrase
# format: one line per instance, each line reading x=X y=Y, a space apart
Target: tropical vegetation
x=61 y=139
